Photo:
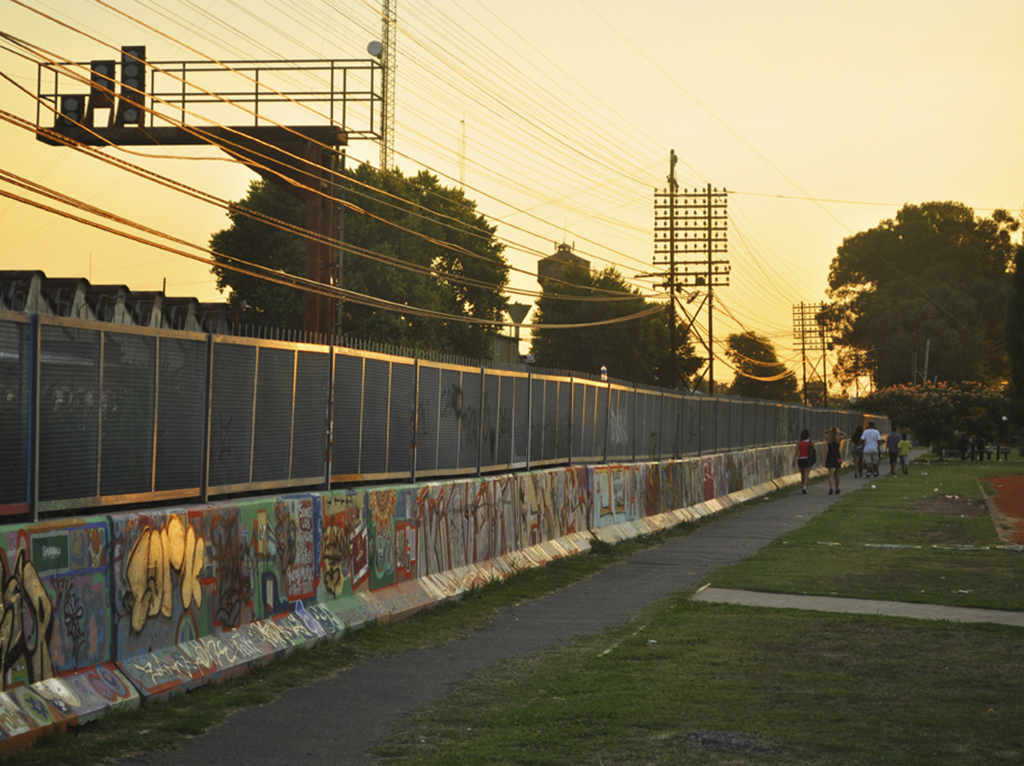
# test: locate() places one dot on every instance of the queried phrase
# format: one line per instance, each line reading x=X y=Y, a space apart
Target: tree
x=1015 y=330
x=934 y=278
x=936 y=411
x=410 y=241
x=254 y=241
x=635 y=350
x=759 y=373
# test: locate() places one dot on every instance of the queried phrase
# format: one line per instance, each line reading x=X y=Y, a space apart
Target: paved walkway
x=336 y=720
x=859 y=606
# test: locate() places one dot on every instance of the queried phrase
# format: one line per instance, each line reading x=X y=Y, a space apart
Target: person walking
x=905 y=453
x=892 y=445
x=833 y=457
x=857 y=450
x=801 y=457
x=872 y=440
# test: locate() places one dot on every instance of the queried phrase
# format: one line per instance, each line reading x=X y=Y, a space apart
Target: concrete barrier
x=116 y=610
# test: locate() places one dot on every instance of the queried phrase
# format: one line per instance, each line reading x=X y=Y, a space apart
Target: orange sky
x=570 y=110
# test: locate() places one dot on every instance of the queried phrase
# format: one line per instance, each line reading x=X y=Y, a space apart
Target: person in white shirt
x=872 y=438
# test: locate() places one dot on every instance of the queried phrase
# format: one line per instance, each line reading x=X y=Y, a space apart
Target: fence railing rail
x=94 y=414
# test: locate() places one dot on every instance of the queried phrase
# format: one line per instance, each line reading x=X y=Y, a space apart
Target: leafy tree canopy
x=935 y=273
x=1015 y=331
x=936 y=411
x=759 y=373
x=410 y=240
x=635 y=350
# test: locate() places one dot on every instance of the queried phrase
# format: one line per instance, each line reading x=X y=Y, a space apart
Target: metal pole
x=34 y=359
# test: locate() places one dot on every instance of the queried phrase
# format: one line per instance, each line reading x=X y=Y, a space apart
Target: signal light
x=101 y=94
x=72 y=111
x=133 y=84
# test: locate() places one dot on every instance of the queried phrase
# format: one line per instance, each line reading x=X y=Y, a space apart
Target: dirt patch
x=1007 y=494
x=941 y=505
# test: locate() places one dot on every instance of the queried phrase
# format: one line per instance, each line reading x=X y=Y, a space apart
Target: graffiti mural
x=155 y=555
x=381 y=536
x=344 y=548
x=26 y=622
x=53 y=613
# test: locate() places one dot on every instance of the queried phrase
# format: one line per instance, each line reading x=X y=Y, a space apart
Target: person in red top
x=800 y=457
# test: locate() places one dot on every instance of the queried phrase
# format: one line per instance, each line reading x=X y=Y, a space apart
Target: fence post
x=204 y=479
x=415 y=417
x=480 y=429
x=572 y=413
x=607 y=422
x=329 y=429
x=529 y=418
x=32 y=458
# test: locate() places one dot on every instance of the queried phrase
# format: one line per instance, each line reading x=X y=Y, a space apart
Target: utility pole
x=692 y=223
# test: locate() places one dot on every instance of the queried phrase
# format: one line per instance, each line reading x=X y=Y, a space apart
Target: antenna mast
x=389 y=43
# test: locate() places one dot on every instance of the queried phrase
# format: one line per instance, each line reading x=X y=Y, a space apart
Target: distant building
x=33 y=292
x=554 y=266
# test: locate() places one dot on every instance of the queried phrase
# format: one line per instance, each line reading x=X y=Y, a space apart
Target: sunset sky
x=820 y=118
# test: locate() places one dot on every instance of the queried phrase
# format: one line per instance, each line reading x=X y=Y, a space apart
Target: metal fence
x=94 y=414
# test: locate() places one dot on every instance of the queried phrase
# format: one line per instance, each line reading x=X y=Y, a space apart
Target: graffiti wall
x=54 y=615
x=96 y=611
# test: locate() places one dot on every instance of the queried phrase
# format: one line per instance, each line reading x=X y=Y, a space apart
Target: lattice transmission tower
x=388 y=59
x=812 y=333
x=690 y=233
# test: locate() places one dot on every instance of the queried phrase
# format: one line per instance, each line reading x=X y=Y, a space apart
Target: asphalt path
x=336 y=720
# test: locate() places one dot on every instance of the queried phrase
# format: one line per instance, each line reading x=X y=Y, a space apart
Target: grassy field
x=696 y=683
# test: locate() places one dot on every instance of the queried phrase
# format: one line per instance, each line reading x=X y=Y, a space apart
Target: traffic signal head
x=72 y=111
x=133 y=84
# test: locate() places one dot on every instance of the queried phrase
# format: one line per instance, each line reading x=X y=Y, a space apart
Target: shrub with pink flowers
x=934 y=412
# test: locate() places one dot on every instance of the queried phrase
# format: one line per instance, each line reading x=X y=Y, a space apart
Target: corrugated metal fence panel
x=578 y=403
x=312 y=390
x=234 y=380
x=540 y=437
x=521 y=422
x=708 y=425
x=403 y=399
x=671 y=426
x=469 y=433
x=181 y=401
x=620 y=423
x=449 y=419
x=376 y=400
x=129 y=401
x=647 y=421
x=601 y=422
x=14 y=403
x=490 y=430
x=506 y=419
x=69 y=412
x=691 y=426
x=275 y=390
x=426 y=418
x=564 y=438
x=348 y=411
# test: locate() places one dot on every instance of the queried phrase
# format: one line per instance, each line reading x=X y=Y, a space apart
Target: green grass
x=801 y=688
x=805 y=688
x=951 y=554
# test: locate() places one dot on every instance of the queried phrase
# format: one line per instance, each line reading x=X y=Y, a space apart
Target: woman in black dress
x=833 y=457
